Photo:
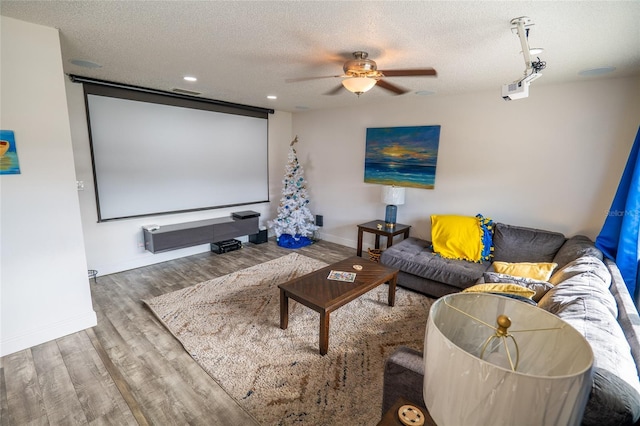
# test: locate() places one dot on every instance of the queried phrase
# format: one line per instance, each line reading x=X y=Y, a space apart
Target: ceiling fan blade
x=391 y=87
x=335 y=90
x=410 y=72
x=295 y=80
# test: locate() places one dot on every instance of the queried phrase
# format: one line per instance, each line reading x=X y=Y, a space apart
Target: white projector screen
x=151 y=156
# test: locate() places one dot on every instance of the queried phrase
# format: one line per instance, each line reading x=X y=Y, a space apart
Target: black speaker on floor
x=319 y=220
x=259 y=238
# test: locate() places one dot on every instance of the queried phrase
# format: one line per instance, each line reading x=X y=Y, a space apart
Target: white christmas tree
x=294 y=222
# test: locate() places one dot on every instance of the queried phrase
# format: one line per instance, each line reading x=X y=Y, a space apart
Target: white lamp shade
x=393 y=195
x=551 y=384
x=358 y=84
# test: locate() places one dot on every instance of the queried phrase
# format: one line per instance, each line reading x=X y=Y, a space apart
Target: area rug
x=231 y=326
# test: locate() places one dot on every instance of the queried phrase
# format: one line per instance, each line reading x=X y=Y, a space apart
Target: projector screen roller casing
x=153 y=154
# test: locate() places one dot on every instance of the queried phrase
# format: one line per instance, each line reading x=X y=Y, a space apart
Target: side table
x=390 y=418
x=372 y=227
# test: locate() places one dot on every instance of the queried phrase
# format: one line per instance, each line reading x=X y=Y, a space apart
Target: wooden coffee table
x=317 y=292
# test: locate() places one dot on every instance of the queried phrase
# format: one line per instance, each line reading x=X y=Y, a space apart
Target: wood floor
x=128 y=369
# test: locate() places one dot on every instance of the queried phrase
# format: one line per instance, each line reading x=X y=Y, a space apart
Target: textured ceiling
x=242 y=51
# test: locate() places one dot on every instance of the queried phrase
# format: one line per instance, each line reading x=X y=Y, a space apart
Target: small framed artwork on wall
x=8 y=155
x=402 y=156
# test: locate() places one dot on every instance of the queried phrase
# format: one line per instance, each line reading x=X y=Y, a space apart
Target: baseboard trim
x=338 y=240
x=147 y=258
x=52 y=331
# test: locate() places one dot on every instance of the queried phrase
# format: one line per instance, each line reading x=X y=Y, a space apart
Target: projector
x=519 y=89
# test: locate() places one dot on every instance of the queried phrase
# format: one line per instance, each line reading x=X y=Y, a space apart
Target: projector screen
x=156 y=154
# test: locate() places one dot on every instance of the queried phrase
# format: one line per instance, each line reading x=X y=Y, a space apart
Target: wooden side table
x=390 y=418
x=372 y=227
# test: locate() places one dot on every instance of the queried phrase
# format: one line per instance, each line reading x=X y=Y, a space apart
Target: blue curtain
x=619 y=238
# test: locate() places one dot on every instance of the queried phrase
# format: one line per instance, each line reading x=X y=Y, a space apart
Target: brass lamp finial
x=499 y=338
x=504 y=323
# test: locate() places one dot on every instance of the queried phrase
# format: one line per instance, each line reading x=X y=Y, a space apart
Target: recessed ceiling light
x=190 y=78
x=596 y=71
x=85 y=63
x=302 y=108
x=272 y=97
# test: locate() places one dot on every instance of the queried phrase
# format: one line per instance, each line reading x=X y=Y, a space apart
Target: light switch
x=80 y=185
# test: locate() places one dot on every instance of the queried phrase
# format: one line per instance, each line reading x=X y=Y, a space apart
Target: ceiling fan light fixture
x=358 y=85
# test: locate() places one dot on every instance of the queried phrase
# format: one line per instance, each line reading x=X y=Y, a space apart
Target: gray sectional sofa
x=586 y=290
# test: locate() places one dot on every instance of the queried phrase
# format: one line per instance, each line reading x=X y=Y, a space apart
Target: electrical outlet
x=80 y=185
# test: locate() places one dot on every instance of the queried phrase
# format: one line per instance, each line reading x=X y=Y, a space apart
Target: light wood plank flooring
x=128 y=369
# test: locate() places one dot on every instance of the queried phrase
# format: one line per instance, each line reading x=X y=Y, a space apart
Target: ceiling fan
x=361 y=74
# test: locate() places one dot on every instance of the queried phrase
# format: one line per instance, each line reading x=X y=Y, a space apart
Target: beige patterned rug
x=230 y=326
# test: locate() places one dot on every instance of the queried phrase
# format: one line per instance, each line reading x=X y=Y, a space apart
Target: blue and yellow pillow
x=486 y=225
x=462 y=237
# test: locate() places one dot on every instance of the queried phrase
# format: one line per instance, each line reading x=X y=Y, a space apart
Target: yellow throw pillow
x=457 y=237
x=537 y=271
x=516 y=289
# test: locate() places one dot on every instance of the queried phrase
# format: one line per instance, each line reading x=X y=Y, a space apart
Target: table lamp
x=392 y=196
x=528 y=367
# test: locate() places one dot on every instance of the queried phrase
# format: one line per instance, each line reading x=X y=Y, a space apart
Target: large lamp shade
x=468 y=382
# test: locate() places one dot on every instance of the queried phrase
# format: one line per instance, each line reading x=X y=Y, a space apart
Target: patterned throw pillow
x=539 y=287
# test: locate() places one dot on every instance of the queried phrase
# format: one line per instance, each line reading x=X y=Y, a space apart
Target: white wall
x=118 y=245
x=44 y=287
x=552 y=160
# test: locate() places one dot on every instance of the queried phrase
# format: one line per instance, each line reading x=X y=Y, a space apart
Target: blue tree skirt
x=297 y=241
